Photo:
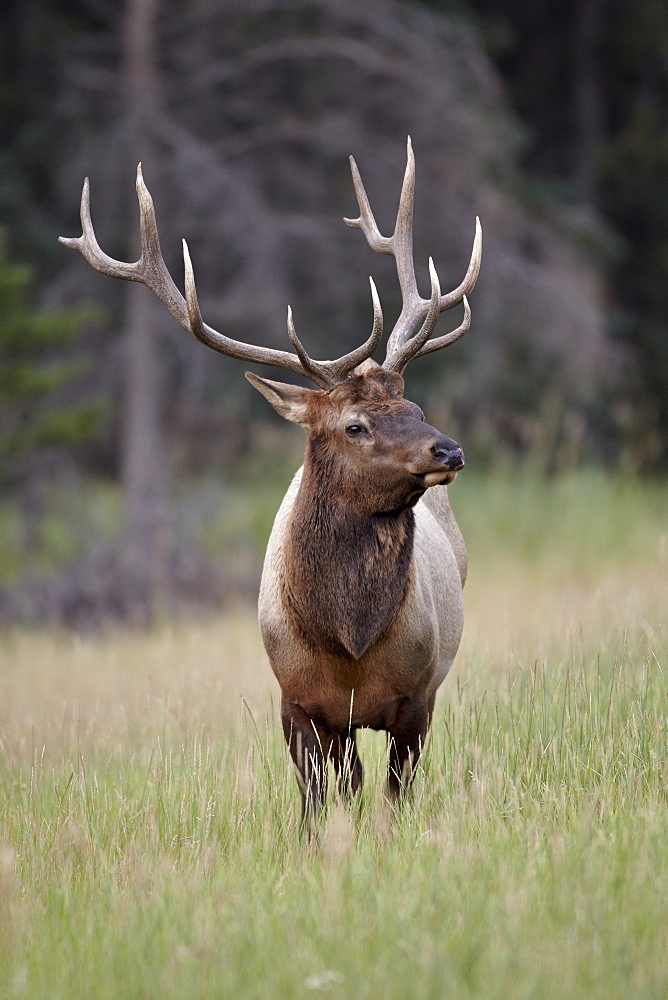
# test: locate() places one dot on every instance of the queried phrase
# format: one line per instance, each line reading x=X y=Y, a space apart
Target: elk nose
x=448 y=453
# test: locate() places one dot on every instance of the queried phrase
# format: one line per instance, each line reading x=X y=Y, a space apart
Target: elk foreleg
x=347 y=763
x=406 y=739
x=310 y=749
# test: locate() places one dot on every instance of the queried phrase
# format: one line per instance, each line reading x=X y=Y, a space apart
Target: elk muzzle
x=440 y=461
x=448 y=453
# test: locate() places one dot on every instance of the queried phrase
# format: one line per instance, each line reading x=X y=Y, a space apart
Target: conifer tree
x=39 y=363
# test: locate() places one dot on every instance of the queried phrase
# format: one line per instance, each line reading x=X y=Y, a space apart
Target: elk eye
x=354 y=430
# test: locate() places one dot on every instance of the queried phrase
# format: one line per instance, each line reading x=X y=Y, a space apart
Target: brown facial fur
x=350 y=543
x=378 y=472
x=378 y=390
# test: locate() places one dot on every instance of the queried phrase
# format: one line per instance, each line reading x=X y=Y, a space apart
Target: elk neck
x=346 y=568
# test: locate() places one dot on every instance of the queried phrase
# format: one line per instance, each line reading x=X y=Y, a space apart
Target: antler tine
x=448 y=338
x=402 y=239
x=458 y=294
x=400 y=244
x=398 y=361
x=151 y=271
x=90 y=248
x=360 y=354
x=416 y=312
x=315 y=371
x=151 y=266
x=303 y=355
x=366 y=221
x=332 y=373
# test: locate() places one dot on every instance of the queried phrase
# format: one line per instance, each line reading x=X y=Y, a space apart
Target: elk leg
x=347 y=763
x=431 y=701
x=309 y=747
x=406 y=738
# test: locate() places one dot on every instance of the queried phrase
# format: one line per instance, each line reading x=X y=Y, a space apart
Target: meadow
x=149 y=820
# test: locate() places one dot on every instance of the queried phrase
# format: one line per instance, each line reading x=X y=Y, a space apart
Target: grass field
x=149 y=841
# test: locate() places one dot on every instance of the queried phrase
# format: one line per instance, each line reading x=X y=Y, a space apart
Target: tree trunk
x=145 y=473
x=588 y=100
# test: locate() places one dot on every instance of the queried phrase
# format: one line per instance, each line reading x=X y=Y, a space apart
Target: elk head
x=365 y=439
x=359 y=403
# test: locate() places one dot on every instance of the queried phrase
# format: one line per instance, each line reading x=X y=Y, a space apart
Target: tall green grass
x=149 y=821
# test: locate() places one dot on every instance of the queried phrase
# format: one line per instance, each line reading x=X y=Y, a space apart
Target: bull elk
x=360 y=603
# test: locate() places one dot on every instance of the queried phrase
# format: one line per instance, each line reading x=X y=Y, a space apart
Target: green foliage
x=146 y=855
x=77 y=517
x=520 y=514
x=36 y=367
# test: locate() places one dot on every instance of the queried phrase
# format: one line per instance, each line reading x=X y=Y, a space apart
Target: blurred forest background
x=139 y=473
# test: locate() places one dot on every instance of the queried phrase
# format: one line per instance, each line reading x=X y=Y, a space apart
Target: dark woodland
x=548 y=120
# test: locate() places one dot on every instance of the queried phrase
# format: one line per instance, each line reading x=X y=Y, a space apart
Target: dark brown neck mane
x=346 y=571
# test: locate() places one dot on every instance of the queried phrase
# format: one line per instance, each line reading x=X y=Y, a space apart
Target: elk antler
x=151 y=270
x=404 y=344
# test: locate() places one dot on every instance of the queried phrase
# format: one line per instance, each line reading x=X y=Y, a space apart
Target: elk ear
x=291 y=401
